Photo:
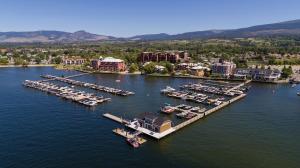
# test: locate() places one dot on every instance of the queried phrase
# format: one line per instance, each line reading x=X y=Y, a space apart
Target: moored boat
x=168 y=89
x=133 y=142
x=167 y=109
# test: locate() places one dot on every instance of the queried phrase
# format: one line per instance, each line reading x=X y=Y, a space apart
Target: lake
x=42 y=130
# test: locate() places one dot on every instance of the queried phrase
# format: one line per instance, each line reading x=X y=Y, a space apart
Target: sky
x=124 y=18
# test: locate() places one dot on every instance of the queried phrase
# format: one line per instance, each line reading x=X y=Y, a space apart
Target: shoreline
x=22 y=66
x=140 y=73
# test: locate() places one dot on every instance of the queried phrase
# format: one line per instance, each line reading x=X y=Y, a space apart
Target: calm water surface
x=40 y=130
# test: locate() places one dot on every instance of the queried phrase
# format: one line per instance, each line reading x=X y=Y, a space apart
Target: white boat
x=217 y=103
x=168 y=89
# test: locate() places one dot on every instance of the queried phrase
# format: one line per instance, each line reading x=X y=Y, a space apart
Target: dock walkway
x=111 y=90
x=68 y=77
x=199 y=116
x=238 y=86
x=115 y=118
x=127 y=134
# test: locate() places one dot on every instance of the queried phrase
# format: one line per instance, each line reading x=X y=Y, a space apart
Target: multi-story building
x=170 y=56
x=258 y=74
x=73 y=61
x=223 y=68
x=109 y=64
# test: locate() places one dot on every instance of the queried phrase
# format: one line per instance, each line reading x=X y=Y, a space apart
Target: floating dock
x=157 y=135
x=206 y=113
x=81 y=97
x=238 y=86
x=115 y=118
x=111 y=90
x=71 y=76
x=128 y=134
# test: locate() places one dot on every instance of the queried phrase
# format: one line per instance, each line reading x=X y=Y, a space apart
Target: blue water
x=40 y=130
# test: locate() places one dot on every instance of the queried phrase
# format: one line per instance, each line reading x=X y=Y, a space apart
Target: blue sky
x=124 y=18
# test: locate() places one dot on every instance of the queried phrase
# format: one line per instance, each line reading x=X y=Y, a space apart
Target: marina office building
x=153 y=122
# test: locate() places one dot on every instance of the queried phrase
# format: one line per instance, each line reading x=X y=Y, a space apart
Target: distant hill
x=150 y=37
x=289 y=28
x=50 y=36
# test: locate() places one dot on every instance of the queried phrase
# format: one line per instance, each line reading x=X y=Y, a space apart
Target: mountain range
x=288 y=28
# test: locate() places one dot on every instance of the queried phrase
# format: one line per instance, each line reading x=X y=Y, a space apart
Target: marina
x=34 y=123
x=196 y=97
x=193 y=116
x=213 y=95
x=68 y=93
x=185 y=111
x=111 y=90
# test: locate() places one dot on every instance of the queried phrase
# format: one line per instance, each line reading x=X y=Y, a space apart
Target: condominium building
x=223 y=68
x=170 y=56
x=109 y=64
x=73 y=61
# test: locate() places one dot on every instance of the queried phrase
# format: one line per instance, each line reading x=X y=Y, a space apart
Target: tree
x=169 y=67
x=57 y=60
x=38 y=60
x=149 y=68
x=133 y=68
x=18 y=61
x=286 y=72
x=3 y=61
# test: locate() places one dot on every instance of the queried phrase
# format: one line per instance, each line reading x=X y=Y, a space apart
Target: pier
x=81 y=97
x=116 y=119
x=157 y=135
x=128 y=134
x=68 y=77
x=238 y=86
x=111 y=90
x=206 y=113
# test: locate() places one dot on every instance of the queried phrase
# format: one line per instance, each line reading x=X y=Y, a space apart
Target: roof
x=160 y=121
x=111 y=59
x=198 y=68
x=156 y=119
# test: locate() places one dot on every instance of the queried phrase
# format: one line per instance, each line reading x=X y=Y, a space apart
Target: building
x=109 y=64
x=223 y=68
x=153 y=122
x=198 y=71
x=186 y=66
x=257 y=74
x=170 y=56
x=73 y=61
